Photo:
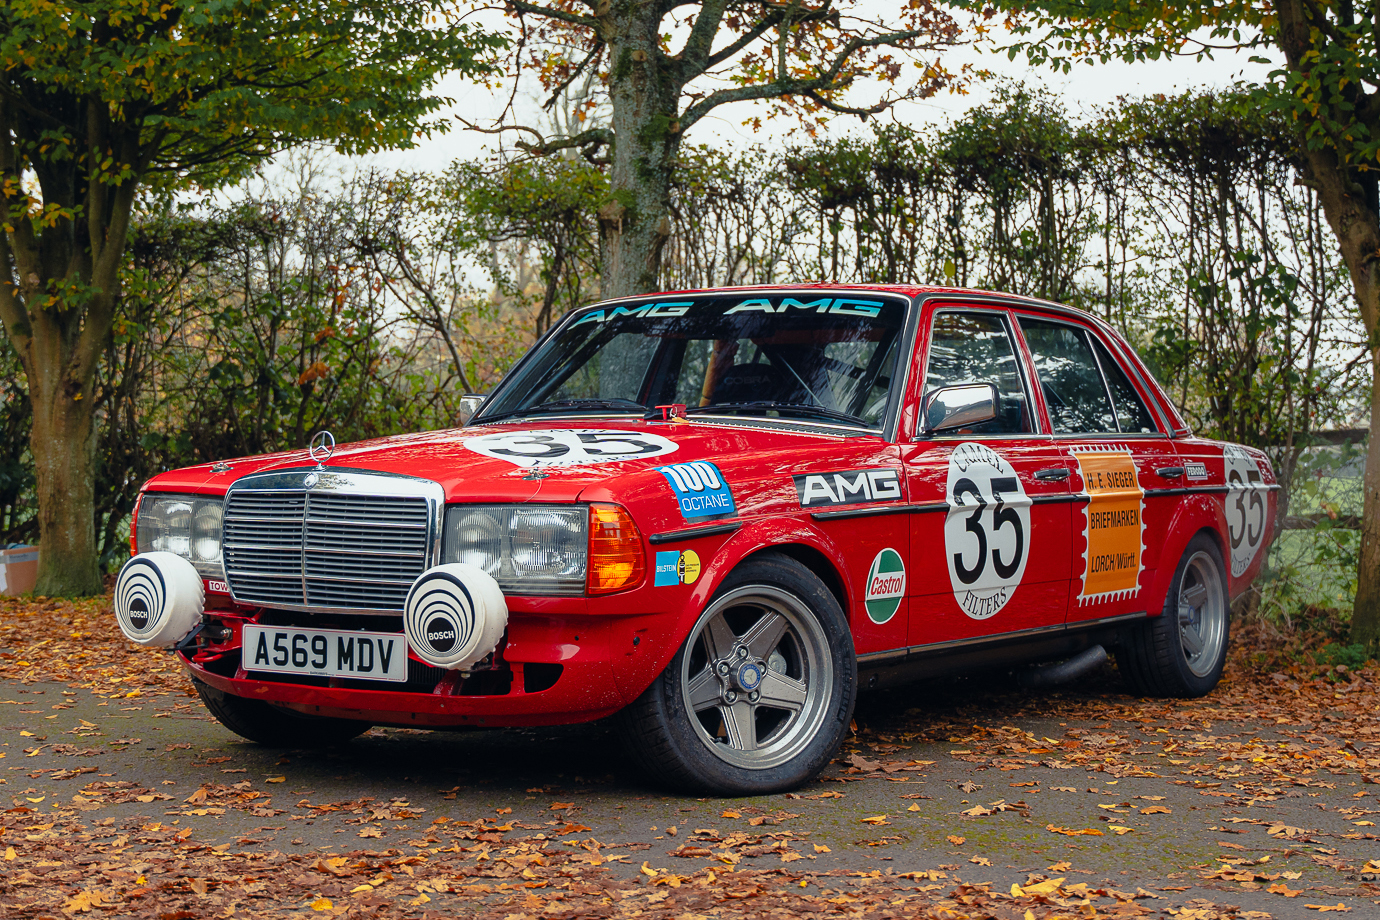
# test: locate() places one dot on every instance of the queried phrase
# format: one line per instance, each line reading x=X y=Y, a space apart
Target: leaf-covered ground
x=969 y=800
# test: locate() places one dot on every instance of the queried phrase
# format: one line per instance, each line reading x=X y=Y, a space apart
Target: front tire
x=273 y=726
x=761 y=693
x=1181 y=653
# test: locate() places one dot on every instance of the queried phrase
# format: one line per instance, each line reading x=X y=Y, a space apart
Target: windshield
x=824 y=357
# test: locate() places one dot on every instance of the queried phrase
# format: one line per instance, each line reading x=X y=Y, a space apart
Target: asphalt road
x=970 y=781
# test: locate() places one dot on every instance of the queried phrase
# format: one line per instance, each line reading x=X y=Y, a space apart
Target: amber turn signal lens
x=616 y=560
x=133 y=527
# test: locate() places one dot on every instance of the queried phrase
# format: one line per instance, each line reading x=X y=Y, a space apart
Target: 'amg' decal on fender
x=852 y=487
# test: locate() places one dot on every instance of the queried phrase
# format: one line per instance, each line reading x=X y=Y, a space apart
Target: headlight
x=188 y=525
x=529 y=549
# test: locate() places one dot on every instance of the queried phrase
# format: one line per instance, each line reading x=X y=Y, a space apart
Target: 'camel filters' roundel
x=455 y=615
x=158 y=599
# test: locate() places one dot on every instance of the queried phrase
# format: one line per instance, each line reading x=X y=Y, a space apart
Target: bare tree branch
x=522 y=6
x=574 y=75
x=811 y=87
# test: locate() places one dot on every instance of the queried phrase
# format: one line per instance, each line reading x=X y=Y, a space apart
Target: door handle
x=1169 y=472
x=1053 y=474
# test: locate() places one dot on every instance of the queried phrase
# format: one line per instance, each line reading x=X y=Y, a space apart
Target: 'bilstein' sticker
x=701 y=491
x=1246 y=507
x=1113 y=525
x=886 y=586
x=570 y=447
x=987 y=529
x=674 y=567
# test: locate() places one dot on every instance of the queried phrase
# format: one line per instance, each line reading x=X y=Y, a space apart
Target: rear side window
x=1131 y=413
x=977 y=348
x=1069 y=378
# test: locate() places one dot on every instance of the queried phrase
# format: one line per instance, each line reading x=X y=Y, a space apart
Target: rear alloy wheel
x=273 y=726
x=759 y=696
x=1182 y=652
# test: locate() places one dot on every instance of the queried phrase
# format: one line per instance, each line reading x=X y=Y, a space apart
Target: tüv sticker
x=701 y=490
x=574 y=447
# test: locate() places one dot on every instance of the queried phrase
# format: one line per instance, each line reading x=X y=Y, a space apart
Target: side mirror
x=469 y=405
x=960 y=407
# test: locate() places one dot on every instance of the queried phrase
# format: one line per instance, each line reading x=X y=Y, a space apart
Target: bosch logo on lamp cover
x=701 y=490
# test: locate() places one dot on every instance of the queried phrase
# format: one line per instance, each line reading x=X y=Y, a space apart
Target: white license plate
x=326 y=652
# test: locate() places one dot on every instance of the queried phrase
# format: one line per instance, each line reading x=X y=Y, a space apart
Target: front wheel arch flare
x=816 y=562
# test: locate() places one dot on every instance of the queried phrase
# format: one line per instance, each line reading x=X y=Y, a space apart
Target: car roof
x=920 y=291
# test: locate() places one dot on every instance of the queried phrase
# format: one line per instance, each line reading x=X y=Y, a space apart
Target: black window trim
x=1004 y=313
x=1088 y=330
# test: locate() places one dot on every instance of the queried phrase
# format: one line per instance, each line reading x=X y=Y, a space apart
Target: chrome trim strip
x=342 y=481
x=895 y=656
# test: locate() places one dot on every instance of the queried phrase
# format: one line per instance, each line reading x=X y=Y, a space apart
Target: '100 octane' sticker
x=701 y=491
x=1246 y=508
x=1113 y=525
x=570 y=447
x=987 y=530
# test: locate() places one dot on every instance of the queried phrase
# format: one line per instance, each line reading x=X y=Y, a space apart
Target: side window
x=1130 y=410
x=977 y=348
x=1069 y=378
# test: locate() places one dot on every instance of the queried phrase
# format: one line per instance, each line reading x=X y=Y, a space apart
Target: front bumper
x=551 y=669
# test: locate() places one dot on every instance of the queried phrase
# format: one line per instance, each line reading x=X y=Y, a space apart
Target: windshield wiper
x=782 y=407
x=562 y=405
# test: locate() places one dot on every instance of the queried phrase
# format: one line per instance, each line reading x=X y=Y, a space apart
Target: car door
x=1125 y=468
x=990 y=502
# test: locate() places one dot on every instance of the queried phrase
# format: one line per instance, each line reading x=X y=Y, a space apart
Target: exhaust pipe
x=1049 y=675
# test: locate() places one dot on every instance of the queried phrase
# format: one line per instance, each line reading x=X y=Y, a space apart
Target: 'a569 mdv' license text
x=326 y=653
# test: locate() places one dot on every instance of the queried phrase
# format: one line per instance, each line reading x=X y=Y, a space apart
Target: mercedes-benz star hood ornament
x=321 y=448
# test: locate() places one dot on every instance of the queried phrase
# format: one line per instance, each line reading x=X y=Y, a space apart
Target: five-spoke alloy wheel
x=1182 y=652
x=759 y=696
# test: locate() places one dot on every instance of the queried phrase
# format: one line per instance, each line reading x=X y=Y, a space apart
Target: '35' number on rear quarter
x=1246 y=509
x=986 y=531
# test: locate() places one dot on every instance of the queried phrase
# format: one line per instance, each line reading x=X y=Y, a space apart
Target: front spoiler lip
x=576 y=697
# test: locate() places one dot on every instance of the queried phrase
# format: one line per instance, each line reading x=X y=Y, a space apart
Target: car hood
x=556 y=460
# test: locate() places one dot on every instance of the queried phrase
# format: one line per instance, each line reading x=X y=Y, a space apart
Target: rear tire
x=1181 y=653
x=273 y=726
x=760 y=695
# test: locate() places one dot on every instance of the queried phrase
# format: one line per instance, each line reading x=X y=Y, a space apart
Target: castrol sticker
x=1245 y=507
x=886 y=585
x=987 y=530
x=1113 y=525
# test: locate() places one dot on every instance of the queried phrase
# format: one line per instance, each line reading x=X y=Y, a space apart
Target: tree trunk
x=63 y=441
x=635 y=223
x=1365 y=615
x=1356 y=224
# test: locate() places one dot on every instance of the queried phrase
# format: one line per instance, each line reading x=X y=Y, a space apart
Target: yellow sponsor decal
x=1113 y=525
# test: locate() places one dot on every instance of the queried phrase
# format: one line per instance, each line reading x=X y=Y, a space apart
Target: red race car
x=720 y=514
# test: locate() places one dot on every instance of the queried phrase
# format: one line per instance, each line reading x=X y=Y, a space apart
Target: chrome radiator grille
x=326 y=549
